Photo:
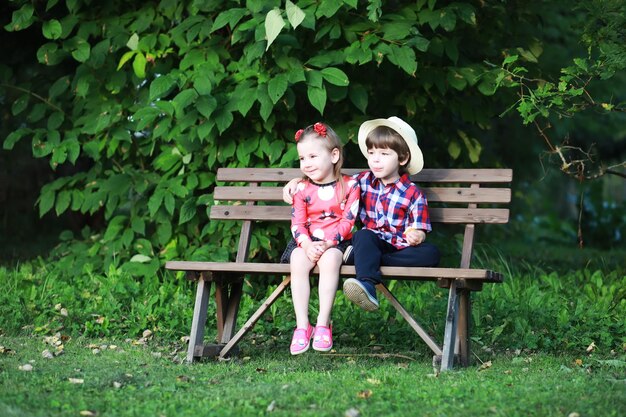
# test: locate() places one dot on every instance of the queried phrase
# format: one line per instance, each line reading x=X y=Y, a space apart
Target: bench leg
x=449 y=342
x=227 y=299
x=414 y=324
x=255 y=317
x=198 y=322
x=463 y=327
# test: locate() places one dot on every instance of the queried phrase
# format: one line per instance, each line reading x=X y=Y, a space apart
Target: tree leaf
x=472 y=145
x=456 y=80
x=21 y=18
x=335 y=76
x=243 y=98
x=404 y=57
x=155 y=201
x=82 y=51
x=164 y=232
x=133 y=42
x=50 y=54
x=447 y=20
x=358 y=97
x=454 y=149
x=51 y=4
x=327 y=8
x=314 y=78
x=139 y=65
x=223 y=119
x=274 y=23
x=52 y=29
x=59 y=87
x=187 y=211
x=62 y=201
x=170 y=203
x=138 y=225
x=488 y=84
x=206 y=105
x=124 y=59
x=230 y=17
x=46 y=200
x=140 y=258
x=374 y=10
x=160 y=86
x=115 y=226
x=276 y=87
x=397 y=30
x=73 y=149
x=19 y=105
x=202 y=84
x=14 y=137
x=184 y=99
x=317 y=97
x=295 y=15
x=420 y=43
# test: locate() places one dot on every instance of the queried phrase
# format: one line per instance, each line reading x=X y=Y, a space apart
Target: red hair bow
x=320 y=129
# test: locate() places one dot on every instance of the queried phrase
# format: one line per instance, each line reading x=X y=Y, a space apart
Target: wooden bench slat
x=433 y=194
x=437 y=214
x=413 y=273
x=440 y=175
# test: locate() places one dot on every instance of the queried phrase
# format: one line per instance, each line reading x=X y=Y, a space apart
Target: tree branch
x=37 y=96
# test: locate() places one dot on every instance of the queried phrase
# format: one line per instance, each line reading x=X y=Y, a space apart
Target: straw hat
x=408 y=134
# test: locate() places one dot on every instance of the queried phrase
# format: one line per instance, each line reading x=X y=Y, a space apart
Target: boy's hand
x=289 y=190
x=414 y=236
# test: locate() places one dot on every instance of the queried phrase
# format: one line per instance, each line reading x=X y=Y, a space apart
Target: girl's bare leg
x=329 y=264
x=301 y=265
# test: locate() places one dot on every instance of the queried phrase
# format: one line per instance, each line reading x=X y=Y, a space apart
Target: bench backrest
x=455 y=196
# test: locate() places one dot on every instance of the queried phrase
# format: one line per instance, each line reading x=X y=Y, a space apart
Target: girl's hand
x=414 y=236
x=314 y=250
x=289 y=190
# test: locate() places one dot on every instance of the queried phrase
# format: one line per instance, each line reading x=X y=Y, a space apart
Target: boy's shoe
x=323 y=338
x=361 y=293
x=301 y=340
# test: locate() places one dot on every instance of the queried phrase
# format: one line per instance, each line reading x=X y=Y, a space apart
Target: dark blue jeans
x=370 y=252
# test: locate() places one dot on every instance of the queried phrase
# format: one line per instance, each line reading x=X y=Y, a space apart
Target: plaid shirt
x=388 y=210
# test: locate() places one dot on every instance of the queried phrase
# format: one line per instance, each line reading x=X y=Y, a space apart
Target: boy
x=393 y=210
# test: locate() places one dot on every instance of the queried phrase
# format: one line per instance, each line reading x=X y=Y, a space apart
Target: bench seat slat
x=404 y=273
x=442 y=175
x=433 y=194
x=437 y=214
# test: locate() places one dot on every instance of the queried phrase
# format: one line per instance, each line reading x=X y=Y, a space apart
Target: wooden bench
x=454 y=196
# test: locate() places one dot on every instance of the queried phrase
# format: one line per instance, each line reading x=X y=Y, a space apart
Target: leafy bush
x=136 y=104
x=532 y=309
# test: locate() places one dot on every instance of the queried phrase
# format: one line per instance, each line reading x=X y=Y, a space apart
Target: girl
x=325 y=207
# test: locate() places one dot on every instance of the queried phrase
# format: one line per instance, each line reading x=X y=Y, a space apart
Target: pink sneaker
x=323 y=339
x=301 y=340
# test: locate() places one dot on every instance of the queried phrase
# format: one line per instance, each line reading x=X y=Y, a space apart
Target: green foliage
x=148 y=99
x=533 y=310
x=587 y=88
x=43 y=301
x=550 y=312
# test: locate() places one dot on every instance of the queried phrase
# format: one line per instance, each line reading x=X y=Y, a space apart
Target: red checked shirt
x=318 y=211
x=388 y=210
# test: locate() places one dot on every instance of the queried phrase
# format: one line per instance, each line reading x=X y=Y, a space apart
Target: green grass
x=137 y=380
